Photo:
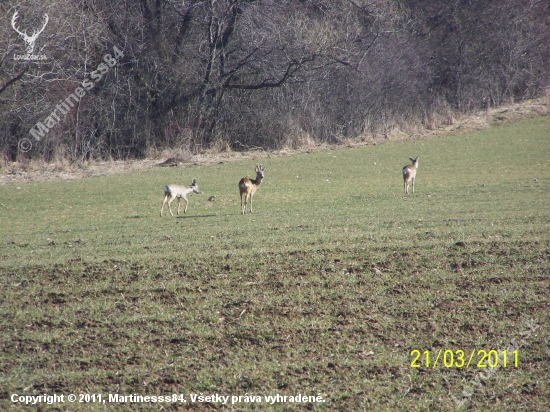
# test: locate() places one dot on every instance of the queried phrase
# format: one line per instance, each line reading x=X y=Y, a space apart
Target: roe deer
x=409 y=174
x=177 y=191
x=248 y=187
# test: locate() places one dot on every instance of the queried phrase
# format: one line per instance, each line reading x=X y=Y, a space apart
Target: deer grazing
x=247 y=187
x=177 y=191
x=409 y=174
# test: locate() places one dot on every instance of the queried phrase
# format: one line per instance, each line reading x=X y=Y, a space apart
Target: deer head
x=195 y=186
x=260 y=170
x=29 y=40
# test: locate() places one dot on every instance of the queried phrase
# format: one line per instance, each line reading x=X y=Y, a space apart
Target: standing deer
x=248 y=187
x=177 y=191
x=409 y=174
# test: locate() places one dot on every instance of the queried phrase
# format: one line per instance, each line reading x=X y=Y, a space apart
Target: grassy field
x=325 y=290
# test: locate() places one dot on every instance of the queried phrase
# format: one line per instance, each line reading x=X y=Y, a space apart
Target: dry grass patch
x=437 y=126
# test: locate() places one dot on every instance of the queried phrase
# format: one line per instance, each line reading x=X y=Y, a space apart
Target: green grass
x=325 y=289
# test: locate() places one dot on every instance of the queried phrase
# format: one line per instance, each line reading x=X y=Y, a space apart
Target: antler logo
x=29 y=40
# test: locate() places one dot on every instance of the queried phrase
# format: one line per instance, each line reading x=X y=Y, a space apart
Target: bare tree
x=257 y=73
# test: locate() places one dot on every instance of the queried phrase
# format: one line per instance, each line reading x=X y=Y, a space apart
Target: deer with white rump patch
x=247 y=187
x=409 y=174
x=177 y=191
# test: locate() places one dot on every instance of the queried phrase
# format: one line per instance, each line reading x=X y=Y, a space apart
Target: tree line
x=241 y=74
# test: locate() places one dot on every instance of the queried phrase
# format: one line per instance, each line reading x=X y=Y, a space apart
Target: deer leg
x=163 y=203
x=169 y=208
x=246 y=201
x=251 y=202
x=179 y=204
x=186 y=203
x=413 y=184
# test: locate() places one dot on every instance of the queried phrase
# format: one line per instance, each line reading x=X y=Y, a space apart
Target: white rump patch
x=167 y=189
x=406 y=170
x=243 y=185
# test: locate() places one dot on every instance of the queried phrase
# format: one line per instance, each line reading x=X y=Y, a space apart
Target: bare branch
x=291 y=69
x=13 y=80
